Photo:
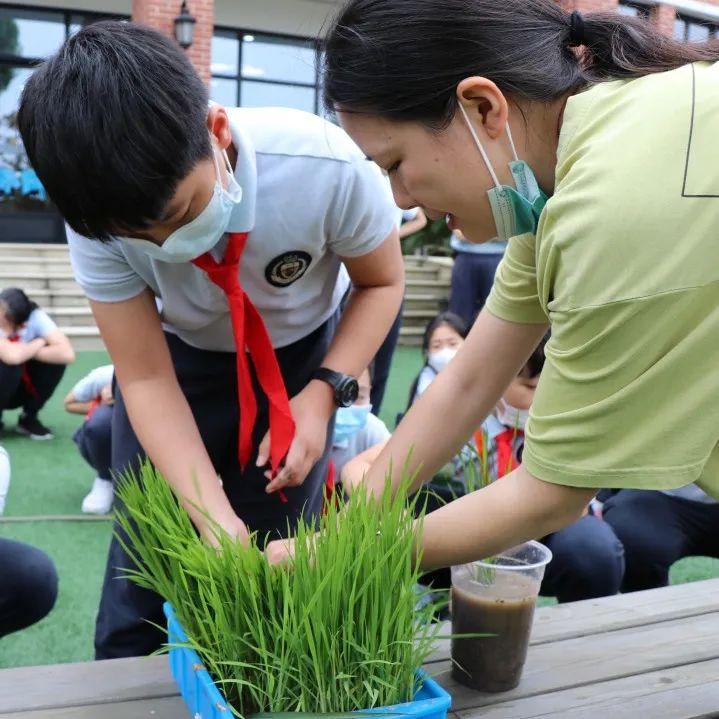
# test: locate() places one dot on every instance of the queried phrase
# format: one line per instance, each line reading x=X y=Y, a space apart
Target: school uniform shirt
x=372 y=434
x=90 y=386
x=625 y=265
x=309 y=198
x=38 y=325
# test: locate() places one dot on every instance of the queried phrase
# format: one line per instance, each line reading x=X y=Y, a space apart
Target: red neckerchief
x=25 y=376
x=251 y=334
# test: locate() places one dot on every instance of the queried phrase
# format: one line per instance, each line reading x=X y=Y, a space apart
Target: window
x=634 y=9
x=27 y=36
x=691 y=29
x=257 y=70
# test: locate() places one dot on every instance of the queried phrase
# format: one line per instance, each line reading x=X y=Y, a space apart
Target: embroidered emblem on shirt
x=287 y=268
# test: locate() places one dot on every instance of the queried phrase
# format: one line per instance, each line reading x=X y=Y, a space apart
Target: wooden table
x=652 y=655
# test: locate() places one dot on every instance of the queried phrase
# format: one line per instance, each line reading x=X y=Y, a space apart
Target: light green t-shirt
x=625 y=266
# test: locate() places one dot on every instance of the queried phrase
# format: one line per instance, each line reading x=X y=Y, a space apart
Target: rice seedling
x=334 y=631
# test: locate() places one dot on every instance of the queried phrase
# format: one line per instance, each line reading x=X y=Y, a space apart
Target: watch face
x=347 y=392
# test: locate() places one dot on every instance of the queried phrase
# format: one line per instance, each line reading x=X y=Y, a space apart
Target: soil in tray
x=505 y=609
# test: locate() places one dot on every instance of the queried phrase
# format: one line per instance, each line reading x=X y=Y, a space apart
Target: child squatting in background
x=92 y=397
x=33 y=357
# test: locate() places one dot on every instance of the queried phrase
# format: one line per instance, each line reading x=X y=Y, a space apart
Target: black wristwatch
x=345 y=387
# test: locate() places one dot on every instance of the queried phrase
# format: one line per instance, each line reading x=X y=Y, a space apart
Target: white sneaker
x=4 y=477
x=99 y=500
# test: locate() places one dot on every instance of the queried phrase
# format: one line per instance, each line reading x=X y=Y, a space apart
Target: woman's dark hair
x=16 y=305
x=112 y=123
x=403 y=59
x=443 y=318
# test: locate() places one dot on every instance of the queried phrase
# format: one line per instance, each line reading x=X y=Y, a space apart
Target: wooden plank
x=67 y=685
x=687 y=692
x=608 y=614
x=556 y=666
x=167 y=708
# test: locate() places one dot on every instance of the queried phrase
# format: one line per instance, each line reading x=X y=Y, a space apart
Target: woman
x=33 y=357
x=613 y=209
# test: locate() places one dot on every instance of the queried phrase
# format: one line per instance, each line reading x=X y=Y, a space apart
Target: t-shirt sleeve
x=101 y=269
x=515 y=294
x=90 y=386
x=39 y=324
x=363 y=212
x=627 y=396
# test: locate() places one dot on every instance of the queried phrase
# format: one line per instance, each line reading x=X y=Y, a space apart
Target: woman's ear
x=485 y=105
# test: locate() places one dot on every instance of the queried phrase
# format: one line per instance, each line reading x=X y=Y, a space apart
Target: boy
x=239 y=221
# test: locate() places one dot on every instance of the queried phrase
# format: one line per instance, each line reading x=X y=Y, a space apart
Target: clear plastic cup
x=495 y=597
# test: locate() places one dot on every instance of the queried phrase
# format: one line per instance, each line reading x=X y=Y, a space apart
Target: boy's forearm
x=166 y=429
x=16 y=353
x=74 y=407
x=512 y=510
x=56 y=354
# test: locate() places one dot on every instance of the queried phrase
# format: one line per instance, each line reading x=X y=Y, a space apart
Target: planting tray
x=204 y=700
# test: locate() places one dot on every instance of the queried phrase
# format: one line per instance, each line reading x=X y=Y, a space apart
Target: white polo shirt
x=309 y=198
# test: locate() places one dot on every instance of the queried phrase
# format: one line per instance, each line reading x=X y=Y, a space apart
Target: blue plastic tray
x=204 y=700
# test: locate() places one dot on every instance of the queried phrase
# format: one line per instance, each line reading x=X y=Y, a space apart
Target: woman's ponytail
x=616 y=46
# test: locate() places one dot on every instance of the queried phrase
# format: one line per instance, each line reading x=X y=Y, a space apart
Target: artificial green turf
x=50 y=478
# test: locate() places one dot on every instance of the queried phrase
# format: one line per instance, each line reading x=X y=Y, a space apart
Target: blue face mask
x=515 y=211
x=350 y=420
x=205 y=231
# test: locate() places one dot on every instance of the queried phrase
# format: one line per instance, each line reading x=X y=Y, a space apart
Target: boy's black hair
x=112 y=123
x=16 y=305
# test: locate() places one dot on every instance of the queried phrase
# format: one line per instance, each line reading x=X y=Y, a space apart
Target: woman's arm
x=159 y=412
x=58 y=349
x=457 y=401
x=15 y=353
x=510 y=511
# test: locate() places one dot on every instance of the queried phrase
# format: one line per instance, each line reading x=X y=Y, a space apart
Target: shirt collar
x=245 y=170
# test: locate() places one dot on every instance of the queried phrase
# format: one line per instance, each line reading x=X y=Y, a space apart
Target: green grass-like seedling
x=334 y=631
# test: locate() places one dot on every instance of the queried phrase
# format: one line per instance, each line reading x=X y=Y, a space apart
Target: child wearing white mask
x=442 y=338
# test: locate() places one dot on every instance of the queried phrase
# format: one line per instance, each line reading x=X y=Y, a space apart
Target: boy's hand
x=311 y=409
x=231 y=524
x=280 y=551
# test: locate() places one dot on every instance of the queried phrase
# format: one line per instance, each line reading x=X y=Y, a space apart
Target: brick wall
x=161 y=15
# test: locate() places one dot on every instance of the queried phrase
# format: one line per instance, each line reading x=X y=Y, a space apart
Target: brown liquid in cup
x=492 y=664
